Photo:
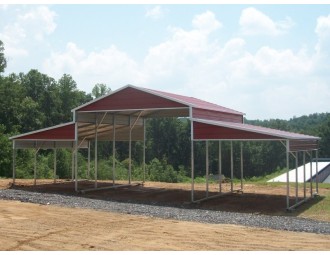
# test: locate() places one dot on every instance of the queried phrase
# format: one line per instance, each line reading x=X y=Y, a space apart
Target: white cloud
x=265 y=83
x=27 y=28
x=181 y=53
x=155 y=13
x=110 y=66
x=38 y=22
x=4 y=6
x=189 y=62
x=322 y=31
x=254 y=22
x=206 y=22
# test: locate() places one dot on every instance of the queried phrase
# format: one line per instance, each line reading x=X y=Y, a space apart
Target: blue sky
x=268 y=61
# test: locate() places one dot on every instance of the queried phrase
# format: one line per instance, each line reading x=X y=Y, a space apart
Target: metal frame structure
x=61 y=137
x=293 y=143
x=121 y=116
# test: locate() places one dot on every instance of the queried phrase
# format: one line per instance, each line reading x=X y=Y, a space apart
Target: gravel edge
x=288 y=223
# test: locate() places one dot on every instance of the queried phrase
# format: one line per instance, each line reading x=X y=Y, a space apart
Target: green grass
x=318 y=208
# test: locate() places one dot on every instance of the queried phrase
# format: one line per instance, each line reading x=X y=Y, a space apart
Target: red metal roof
x=142 y=98
x=210 y=121
x=62 y=132
x=195 y=102
x=208 y=129
x=129 y=98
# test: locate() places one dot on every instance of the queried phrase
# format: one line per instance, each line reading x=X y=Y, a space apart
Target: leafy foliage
x=3 y=62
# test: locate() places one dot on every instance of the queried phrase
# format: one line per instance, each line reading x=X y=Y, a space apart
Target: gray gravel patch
x=184 y=213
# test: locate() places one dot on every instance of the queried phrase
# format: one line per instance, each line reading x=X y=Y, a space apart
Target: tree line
x=33 y=100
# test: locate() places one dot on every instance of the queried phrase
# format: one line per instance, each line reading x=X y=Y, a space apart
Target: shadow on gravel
x=179 y=198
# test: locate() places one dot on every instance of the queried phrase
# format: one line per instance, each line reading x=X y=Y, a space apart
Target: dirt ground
x=26 y=226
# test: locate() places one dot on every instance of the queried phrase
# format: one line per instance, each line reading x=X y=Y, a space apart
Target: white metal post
x=95 y=156
x=14 y=163
x=207 y=166
x=192 y=169
x=241 y=166
x=114 y=149
x=35 y=167
x=317 y=172
x=311 y=173
x=55 y=159
x=192 y=153
x=72 y=162
x=89 y=160
x=144 y=150
x=296 y=177
x=76 y=166
x=287 y=175
x=304 y=163
x=231 y=166
x=76 y=156
x=220 y=168
x=130 y=152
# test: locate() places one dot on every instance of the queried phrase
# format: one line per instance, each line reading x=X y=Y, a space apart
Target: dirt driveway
x=26 y=226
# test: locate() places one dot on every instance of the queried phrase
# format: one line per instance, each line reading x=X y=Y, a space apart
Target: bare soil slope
x=26 y=226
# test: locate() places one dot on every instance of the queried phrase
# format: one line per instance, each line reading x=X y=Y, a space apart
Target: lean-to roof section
x=59 y=136
x=59 y=132
x=220 y=130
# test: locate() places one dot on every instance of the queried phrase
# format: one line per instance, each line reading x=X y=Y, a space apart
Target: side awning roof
x=59 y=136
x=219 y=130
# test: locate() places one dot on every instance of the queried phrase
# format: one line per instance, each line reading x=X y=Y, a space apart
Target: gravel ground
x=185 y=212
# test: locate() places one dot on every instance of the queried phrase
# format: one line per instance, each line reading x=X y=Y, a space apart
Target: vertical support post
x=220 y=168
x=89 y=160
x=287 y=175
x=76 y=158
x=317 y=172
x=231 y=166
x=35 y=167
x=242 y=166
x=76 y=166
x=207 y=166
x=311 y=173
x=192 y=153
x=304 y=162
x=130 y=152
x=114 y=149
x=55 y=159
x=95 y=156
x=144 y=150
x=296 y=177
x=14 y=163
x=72 y=162
x=192 y=169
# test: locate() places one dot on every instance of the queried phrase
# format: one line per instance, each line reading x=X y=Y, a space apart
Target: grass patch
x=318 y=208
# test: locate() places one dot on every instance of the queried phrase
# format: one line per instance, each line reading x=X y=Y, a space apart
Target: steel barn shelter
x=121 y=116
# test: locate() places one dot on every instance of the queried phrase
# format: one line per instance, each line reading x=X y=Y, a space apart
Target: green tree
x=70 y=96
x=3 y=62
x=5 y=153
x=325 y=139
x=11 y=96
x=100 y=89
x=29 y=115
x=35 y=84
